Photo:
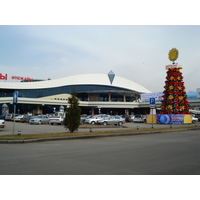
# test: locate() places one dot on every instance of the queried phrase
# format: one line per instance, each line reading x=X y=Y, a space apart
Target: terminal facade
x=97 y=93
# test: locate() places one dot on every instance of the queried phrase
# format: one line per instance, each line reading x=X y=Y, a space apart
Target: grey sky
x=135 y=52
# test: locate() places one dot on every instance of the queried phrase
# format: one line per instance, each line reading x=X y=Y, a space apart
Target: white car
x=132 y=117
x=2 y=122
x=94 y=119
x=56 y=120
x=18 y=118
x=194 y=119
x=139 y=118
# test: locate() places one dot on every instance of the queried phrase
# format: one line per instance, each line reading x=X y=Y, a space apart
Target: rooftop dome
x=81 y=79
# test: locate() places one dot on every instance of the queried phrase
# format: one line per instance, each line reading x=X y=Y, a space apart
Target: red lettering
x=5 y=77
x=22 y=78
x=2 y=77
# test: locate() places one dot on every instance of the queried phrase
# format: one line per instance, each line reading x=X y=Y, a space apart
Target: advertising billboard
x=156 y=95
x=174 y=119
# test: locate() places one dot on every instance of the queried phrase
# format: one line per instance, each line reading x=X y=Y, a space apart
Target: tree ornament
x=174 y=96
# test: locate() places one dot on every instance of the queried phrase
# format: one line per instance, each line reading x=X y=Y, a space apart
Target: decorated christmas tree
x=174 y=96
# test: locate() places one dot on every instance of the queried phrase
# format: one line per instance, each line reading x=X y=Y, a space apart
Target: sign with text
x=152 y=101
x=5 y=77
x=156 y=95
x=174 y=119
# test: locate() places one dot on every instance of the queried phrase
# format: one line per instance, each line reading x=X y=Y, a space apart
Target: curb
x=93 y=136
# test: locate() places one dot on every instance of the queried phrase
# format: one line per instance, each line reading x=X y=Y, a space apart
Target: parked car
x=116 y=120
x=13 y=116
x=132 y=117
x=40 y=119
x=128 y=118
x=2 y=122
x=83 y=118
x=197 y=116
x=139 y=118
x=8 y=117
x=94 y=119
x=194 y=119
x=125 y=117
x=56 y=120
x=50 y=115
x=18 y=118
x=25 y=118
x=88 y=117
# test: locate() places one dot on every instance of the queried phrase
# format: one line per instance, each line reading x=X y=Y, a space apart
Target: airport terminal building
x=98 y=93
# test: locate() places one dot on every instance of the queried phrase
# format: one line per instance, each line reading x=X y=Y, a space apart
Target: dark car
x=127 y=118
x=25 y=118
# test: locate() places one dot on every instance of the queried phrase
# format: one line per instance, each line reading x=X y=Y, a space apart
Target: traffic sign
x=152 y=100
x=15 y=97
x=152 y=106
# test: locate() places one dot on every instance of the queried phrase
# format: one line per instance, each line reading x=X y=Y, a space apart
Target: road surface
x=170 y=153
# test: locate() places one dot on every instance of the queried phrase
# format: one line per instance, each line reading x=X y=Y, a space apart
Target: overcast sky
x=135 y=52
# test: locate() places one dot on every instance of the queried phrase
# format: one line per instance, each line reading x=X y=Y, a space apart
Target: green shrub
x=73 y=113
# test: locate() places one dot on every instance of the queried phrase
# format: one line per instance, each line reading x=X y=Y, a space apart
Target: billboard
x=147 y=96
x=169 y=119
x=174 y=119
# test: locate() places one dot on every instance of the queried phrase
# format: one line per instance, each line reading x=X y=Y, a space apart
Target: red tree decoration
x=174 y=95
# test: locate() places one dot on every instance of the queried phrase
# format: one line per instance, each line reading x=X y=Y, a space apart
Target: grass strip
x=100 y=132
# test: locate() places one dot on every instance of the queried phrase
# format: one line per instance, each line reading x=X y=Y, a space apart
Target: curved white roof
x=82 y=79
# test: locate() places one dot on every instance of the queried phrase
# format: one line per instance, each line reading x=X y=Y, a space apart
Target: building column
x=109 y=97
x=92 y=111
x=124 y=97
x=127 y=112
x=38 y=111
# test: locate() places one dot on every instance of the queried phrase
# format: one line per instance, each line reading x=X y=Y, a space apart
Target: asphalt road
x=173 y=153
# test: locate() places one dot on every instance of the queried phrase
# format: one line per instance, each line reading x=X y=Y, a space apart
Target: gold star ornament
x=173 y=54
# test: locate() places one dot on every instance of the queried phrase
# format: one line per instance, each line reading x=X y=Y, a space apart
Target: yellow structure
x=187 y=119
x=151 y=119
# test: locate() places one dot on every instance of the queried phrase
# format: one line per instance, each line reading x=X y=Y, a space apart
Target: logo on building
x=3 y=77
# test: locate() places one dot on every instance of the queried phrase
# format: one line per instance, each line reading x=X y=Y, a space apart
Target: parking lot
x=26 y=128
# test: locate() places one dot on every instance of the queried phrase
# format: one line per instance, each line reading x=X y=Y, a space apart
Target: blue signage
x=152 y=100
x=173 y=118
x=15 y=97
